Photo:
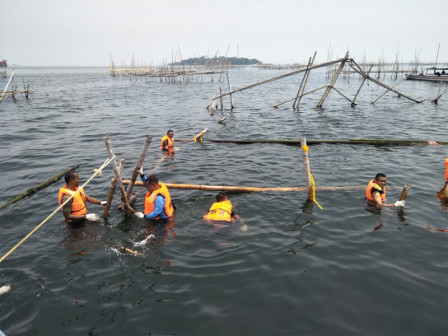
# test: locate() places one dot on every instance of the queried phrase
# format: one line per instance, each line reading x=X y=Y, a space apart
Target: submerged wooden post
x=118 y=178
x=220 y=98
x=230 y=90
x=333 y=80
x=404 y=192
x=306 y=163
x=112 y=190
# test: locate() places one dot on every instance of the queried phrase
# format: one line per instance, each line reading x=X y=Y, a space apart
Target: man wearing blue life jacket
x=157 y=204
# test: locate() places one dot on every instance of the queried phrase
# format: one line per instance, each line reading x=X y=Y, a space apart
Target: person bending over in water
x=376 y=192
x=158 y=204
x=222 y=211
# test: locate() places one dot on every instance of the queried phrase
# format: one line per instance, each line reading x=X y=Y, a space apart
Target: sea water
x=298 y=269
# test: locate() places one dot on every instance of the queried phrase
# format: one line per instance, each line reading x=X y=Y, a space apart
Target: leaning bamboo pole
x=277 y=78
x=139 y=164
x=388 y=90
x=333 y=80
x=251 y=189
x=299 y=96
x=38 y=187
x=357 y=68
x=362 y=83
x=9 y=81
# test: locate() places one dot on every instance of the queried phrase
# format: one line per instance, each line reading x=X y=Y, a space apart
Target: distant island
x=204 y=60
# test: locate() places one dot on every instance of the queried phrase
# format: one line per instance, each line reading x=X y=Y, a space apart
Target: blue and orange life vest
x=170 y=142
x=373 y=186
x=220 y=211
x=150 y=199
x=79 y=207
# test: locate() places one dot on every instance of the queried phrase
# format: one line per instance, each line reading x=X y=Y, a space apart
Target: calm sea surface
x=297 y=270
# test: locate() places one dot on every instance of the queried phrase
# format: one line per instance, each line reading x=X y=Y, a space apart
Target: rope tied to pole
x=306 y=150
x=97 y=171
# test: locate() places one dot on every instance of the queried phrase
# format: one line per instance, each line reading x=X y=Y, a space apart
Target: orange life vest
x=220 y=211
x=446 y=169
x=373 y=186
x=78 y=201
x=170 y=142
x=150 y=199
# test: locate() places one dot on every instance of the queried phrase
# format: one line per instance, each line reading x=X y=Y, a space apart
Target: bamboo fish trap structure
x=340 y=63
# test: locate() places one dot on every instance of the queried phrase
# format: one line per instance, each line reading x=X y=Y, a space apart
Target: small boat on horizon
x=434 y=74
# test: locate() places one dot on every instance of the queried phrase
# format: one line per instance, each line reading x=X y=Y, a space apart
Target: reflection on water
x=343 y=269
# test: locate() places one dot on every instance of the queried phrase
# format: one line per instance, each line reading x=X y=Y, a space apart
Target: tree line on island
x=204 y=60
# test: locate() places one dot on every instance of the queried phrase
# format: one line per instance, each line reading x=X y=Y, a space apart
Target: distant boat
x=434 y=74
x=3 y=64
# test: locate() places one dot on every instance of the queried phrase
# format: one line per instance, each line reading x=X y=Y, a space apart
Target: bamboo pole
x=230 y=90
x=112 y=189
x=373 y=142
x=117 y=174
x=388 y=90
x=249 y=189
x=333 y=80
x=303 y=83
x=38 y=187
x=357 y=68
x=306 y=163
x=404 y=192
x=9 y=81
x=363 y=80
x=139 y=164
x=277 y=78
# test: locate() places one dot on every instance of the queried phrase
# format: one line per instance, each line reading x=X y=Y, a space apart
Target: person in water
x=376 y=192
x=222 y=210
x=158 y=204
x=75 y=210
x=167 y=142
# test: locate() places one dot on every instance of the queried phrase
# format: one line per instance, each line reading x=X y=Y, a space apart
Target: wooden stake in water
x=404 y=192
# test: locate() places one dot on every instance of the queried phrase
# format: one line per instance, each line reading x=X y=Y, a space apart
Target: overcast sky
x=90 y=32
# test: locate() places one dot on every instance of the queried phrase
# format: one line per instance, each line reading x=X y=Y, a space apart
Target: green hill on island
x=204 y=60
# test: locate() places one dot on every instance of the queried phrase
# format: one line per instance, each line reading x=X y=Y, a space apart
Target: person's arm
x=67 y=210
x=158 y=208
x=379 y=202
x=92 y=200
x=165 y=145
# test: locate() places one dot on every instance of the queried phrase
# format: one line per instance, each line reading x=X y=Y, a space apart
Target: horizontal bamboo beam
x=374 y=142
x=247 y=189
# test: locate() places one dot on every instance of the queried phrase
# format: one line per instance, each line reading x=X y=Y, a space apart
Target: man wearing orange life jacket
x=166 y=144
x=376 y=192
x=75 y=210
x=446 y=173
x=158 y=203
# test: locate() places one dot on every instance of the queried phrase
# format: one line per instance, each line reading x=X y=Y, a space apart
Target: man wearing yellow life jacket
x=75 y=210
x=167 y=142
x=158 y=204
x=376 y=192
x=221 y=210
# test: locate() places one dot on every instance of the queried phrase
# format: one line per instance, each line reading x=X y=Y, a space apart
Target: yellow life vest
x=78 y=201
x=150 y=200
x=373 y=186
x=170 y=142
x=220 y=211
